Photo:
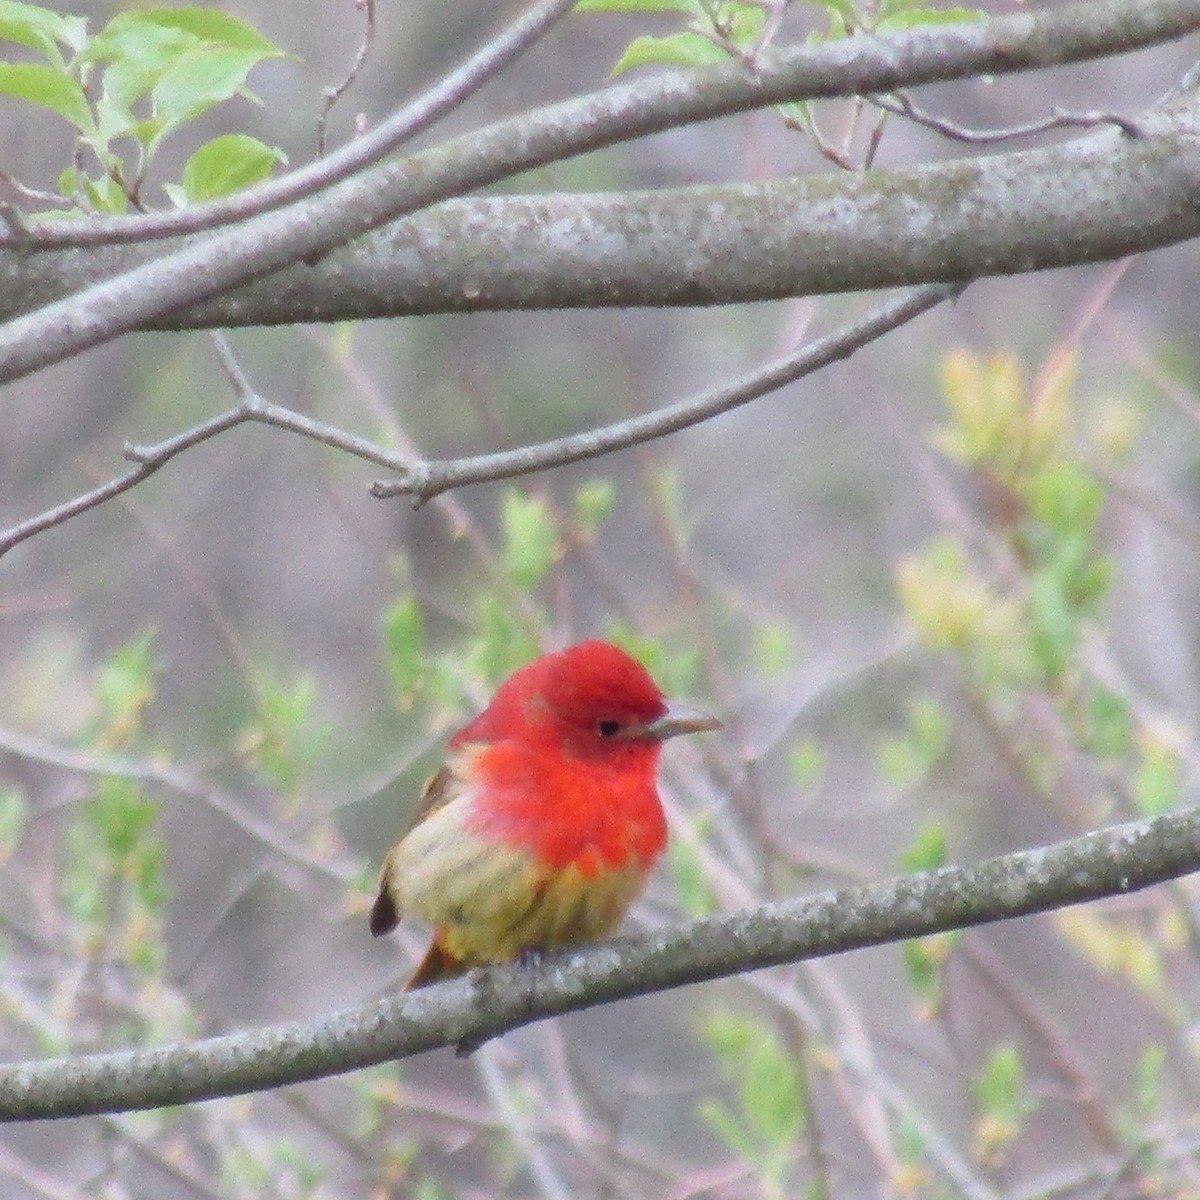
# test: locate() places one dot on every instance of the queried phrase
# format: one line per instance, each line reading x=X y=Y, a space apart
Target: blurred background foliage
x=943 y=595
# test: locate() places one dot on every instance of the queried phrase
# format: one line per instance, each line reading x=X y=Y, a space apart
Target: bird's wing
x=440 y=788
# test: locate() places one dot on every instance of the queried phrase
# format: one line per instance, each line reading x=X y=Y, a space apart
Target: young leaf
x=125 y=685
x=50 y=89
x=225 y=164
x=530 y=539
x=772 y=1095
x=927 y=850
x=594 y=500
x=404 y=644
x=199 y=80
x=13 y=812
x=692 y=889
x=211 y=25
x=806 y=762
x=41 y=30
x=914 y=17
x=1156 y=784
x=684 y=49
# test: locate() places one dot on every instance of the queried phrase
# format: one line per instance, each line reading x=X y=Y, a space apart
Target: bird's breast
x=566 y=812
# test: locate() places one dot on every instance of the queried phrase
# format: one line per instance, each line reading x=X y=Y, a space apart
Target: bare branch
x=264 y=244
x=331 y=95
x=251 y=407
x=62 y=513
x=994 y=214
x=903 y=104
x=176 y=779
x=1111 y=861
x=426 y=479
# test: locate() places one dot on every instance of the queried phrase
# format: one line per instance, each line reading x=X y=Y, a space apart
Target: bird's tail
x=437 y=964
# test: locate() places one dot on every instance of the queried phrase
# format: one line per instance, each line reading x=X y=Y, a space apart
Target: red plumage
x=542 y=826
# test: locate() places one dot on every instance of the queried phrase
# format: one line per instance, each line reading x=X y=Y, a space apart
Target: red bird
x=541 y=828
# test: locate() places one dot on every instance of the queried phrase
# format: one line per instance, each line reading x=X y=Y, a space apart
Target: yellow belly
x=488 y=902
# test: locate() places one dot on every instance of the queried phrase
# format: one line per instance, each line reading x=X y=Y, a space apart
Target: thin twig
x=18 y=533
x=426 y=479
x=331 y=95
x=178 y=780
x=902 y=104
x=150 y=458
x=549 y=1182
x=423 y=480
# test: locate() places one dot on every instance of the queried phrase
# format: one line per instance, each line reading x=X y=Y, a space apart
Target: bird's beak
x=678 y=718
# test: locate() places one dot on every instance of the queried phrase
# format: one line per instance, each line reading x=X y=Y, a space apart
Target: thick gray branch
x=1122 y=858
x=1100 y=197
x=266 y=244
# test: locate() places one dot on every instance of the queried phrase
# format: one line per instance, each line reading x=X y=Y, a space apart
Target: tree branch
x=307 y=230
x=424 y=480
x=466 y=1012
x=1097 y=198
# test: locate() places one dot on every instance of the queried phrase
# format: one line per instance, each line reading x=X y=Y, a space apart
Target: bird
x=544 y=822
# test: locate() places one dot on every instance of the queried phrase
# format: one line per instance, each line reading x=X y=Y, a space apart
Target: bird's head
x=592 y=699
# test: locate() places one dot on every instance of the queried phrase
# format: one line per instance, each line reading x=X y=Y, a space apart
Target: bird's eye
x=608 y=728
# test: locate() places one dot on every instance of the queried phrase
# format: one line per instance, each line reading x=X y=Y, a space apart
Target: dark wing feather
x=436 y=793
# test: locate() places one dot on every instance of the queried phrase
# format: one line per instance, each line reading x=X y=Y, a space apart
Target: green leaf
x=730 y=1036
x=41 y=30
x=149 y=876
x=729 y=1128
x=501 y=644
x=774 y=648
x=925 y=965
x=404 y=645
x=1110 y=728
x=1055 y=623
x=50 y=89
x=684 y=49
x=806 y=763
x=13 y=813
x=594 y=500
x=130 y=43
x=927 y=850
x=210 y=25
x=1147 y=1082
x=84 y=879
x=530 y=539
x=1157 y=784
x=742 y=22
x=772 y=1095
x=899 y=763
x=1067 y=499
x=227 y=163
x=692 y=889
x=284 y=743
x=125 y=684
x=104 y=194
x=914 y=17
x=770 y=1086
x=999 y=1087
x=199 y=80
x=120 y=815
